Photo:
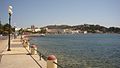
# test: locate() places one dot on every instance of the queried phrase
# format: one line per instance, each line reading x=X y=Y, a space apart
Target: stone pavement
x=19 y=57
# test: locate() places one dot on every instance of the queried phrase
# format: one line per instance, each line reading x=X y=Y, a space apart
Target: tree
x=43 y=30
x=1 y=30
x=4 y=29
x=21 y=31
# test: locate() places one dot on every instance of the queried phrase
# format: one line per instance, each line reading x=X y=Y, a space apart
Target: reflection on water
x=82 y=51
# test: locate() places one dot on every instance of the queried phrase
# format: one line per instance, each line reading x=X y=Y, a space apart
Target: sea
x=81 y=50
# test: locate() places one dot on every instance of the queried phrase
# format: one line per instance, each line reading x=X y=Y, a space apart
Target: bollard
x=50 y=60
x=33 y=50
x=26 y=44
x=23 y=42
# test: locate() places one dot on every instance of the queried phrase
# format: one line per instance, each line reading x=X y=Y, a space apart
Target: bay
x=81 y=50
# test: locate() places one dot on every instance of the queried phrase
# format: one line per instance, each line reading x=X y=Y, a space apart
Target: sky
x=61 y=12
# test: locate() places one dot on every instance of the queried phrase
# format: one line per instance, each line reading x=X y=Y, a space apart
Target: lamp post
x=10 y=13
x=21 y=33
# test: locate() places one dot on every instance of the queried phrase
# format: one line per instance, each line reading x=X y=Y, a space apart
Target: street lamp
x=10 y=13
x=21 y=33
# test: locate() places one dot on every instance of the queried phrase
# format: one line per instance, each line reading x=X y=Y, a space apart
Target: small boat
x=85 y=32
x=42 y=35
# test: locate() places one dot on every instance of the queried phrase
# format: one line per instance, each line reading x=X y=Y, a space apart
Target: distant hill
x=86 y=27
x=58 y=26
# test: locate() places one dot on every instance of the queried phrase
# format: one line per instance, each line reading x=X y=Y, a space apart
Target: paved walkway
x=19 y=57
x=3 y=44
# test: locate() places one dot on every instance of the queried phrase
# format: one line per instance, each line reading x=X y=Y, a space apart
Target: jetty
x=20 y=57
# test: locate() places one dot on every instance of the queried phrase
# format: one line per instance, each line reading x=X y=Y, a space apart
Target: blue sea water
x=82 y=50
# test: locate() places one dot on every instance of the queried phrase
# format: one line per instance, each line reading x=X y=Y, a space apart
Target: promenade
x=19 y=57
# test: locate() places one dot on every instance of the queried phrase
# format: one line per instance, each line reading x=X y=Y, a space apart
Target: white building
x=35 y=30
x=17 y=29
x=67 y=31
x=75 y=31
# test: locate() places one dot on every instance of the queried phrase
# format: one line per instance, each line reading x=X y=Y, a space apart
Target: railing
x=42 y=56
x=45 y=58
x=58 y=65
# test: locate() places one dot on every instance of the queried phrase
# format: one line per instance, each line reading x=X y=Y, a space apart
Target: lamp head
x=10 y=10
x=10 y=7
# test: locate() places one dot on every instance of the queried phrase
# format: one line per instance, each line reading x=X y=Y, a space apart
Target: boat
x=85 y=32
x=42 y=35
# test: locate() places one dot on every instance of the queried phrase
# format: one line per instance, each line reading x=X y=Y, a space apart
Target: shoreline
x=38 y=35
